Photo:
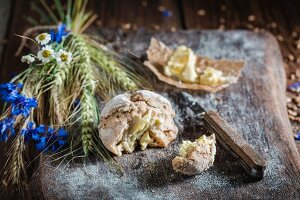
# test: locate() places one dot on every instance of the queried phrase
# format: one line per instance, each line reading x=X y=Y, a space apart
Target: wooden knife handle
x=253 y=163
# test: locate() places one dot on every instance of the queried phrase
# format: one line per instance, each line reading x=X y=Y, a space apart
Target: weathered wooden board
x=5 y=7
x=136 y=14
x=11 y=64
x=4 y=16
x=255 y=107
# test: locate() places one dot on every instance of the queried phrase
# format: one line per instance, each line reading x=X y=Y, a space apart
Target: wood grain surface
x=5 y=8
x=277 y=16
x=254 y=107
x=11 y=64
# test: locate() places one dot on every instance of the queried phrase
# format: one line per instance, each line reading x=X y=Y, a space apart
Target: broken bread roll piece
x=195 y=157
x=140 y=117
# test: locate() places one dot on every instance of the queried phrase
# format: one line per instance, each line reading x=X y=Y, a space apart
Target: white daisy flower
x=43 y=38
x=63 y=57
x=28 y=59
x=46 y=54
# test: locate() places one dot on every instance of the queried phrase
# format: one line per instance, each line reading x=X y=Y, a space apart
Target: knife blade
x=249 y=158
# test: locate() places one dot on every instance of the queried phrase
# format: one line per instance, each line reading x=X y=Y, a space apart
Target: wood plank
x=264 y=12
x=115 y=14
x=260 y=117
x=136 y=14
x=12 y=64
x=5 y=7
x=197 y=13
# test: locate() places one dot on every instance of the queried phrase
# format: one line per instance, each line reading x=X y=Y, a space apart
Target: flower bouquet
x=51 y=107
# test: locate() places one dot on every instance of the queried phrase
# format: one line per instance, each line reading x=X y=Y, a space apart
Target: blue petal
x=26 y=134
x=53 y=148
x=294 y=87
x=12 y=131
x=35 y=136
x=16 y=110
x=42 y=144
x=19 y=86
x=57 y=36
x=62 y=133
x=31 y=125
x=52 y=33
x=51 y=131
x=2 y=128
x=297 y=136
x=41 y=129
x=6 y=128
x=9 y=92
x=167 y=13
x=76 y=103
x=31 y=102
x=3 y=138
x=61 y=142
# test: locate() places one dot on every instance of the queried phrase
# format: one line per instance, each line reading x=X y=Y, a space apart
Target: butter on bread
x=195 y=157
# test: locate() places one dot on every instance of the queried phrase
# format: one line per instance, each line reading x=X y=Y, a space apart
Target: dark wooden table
x=277 y=16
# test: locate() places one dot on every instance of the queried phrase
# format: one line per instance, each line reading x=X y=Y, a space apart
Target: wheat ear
x=14 y=167
x=89 y=114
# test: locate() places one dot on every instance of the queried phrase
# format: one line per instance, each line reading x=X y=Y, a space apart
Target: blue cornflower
x=58 y=35
x=51 y=140
x=76 y=103
x=30 y=132
x=9 y=92
x=6 y=127
x=297 y=136
x=166 y=13
x=22 y=105
x=294 y=87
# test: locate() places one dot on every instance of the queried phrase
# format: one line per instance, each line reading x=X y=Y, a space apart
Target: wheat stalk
x=58 y=107
x=14 y=167
x=86 y=78
x=87 y=121
x=106 y=62
x=118 y=74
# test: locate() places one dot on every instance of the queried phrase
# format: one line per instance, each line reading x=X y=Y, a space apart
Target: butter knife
x=250 y=159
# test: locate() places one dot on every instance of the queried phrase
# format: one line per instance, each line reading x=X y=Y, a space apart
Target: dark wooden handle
x=253 y=163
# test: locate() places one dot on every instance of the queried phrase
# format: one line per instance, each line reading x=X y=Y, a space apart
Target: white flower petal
x=46 y=54
x=43 y=38
x=28 y=59
x=63 y=57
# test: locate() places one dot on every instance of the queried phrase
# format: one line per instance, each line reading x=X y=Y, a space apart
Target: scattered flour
x=149 y=174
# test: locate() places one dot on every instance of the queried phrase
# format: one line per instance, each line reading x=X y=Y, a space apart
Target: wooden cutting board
x=255 y=107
